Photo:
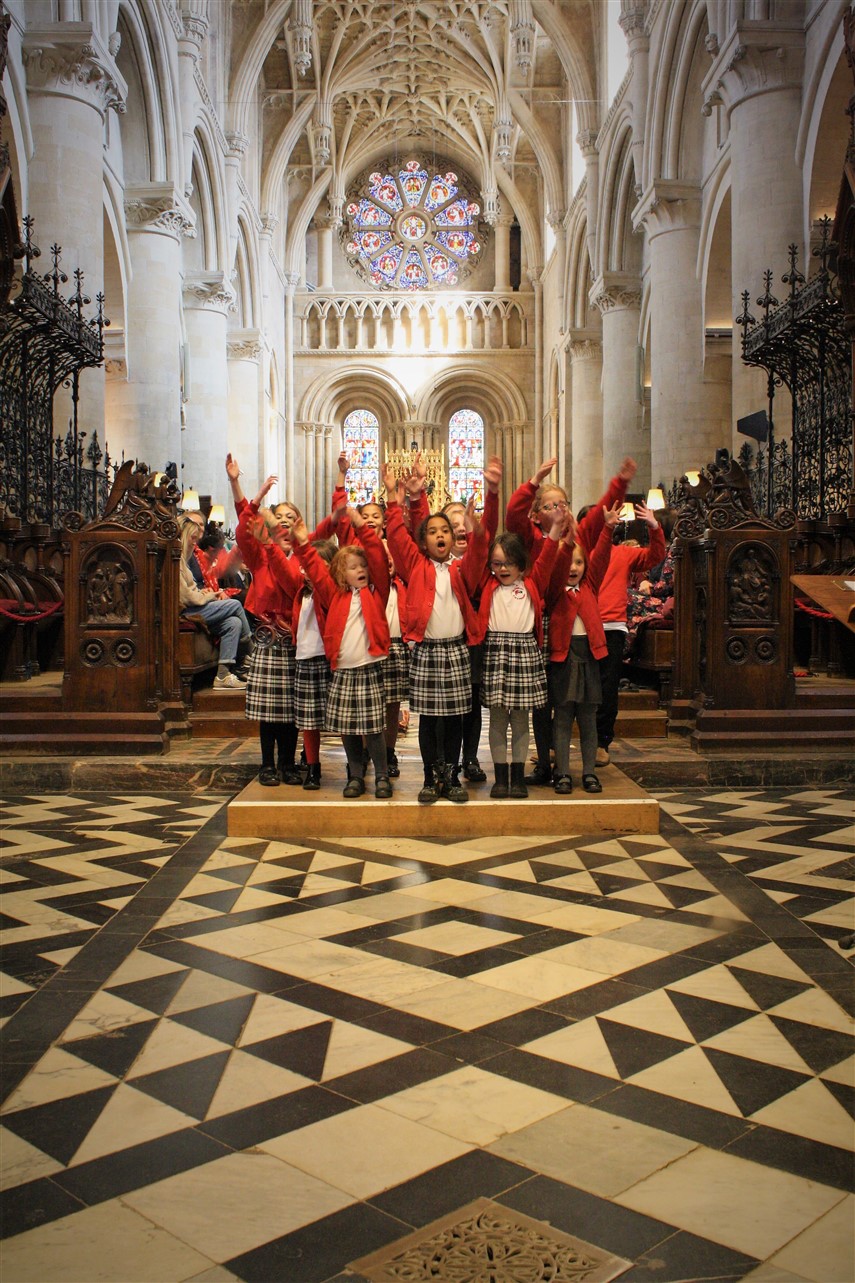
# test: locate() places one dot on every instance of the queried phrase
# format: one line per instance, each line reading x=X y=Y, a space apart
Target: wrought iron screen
x=45 y=342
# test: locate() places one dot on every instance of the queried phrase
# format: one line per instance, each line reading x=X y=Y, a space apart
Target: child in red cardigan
x=353 y=593
x=576 y=642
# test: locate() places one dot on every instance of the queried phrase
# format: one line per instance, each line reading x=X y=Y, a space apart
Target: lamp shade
x=693 y=476
x=189 y=500
x=627 y=512
x=217 y=514
x=655 y=499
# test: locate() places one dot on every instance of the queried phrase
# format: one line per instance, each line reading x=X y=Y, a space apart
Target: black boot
x=393 y=769
x=313 y=776
x=518 y=788
x=430 y=791
x=500 y=788
x=451 y=786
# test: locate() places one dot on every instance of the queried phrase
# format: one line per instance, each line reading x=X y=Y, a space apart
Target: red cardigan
x=564 y=605
x=271 y=595
x=625 y=563
x=344 y=530
x=536 y=585
x=518 y=521
x=336 y=601
x=417 y=570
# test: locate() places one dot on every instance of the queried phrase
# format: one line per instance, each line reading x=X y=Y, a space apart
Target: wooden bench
x=198 y=652
x=654 y=653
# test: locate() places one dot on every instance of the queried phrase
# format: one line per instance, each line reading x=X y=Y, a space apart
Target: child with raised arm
x=353 y=592
x=440 y=621
x=514 y=676
x=576 y=642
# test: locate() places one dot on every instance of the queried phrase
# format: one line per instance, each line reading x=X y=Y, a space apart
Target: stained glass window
x=361 y=444
x=410 y=228
x=466 y=457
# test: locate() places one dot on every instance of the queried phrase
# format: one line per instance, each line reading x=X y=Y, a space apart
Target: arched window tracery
x=361 y=443
x=466 y=456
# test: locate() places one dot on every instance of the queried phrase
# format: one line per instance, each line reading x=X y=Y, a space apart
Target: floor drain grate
x=484 y=1242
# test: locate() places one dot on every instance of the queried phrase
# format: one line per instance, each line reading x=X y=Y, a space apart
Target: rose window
x=410 y=228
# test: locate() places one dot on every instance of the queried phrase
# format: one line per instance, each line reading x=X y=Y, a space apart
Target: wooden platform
x=291 y=812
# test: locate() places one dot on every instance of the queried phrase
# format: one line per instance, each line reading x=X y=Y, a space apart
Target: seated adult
x=224 y=616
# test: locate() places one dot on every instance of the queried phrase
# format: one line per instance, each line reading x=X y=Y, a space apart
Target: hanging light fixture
x=189 y=500
x=217 y=515
x=655 y=499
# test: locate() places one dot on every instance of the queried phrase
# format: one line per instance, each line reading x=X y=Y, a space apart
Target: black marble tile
x=109 y=1177
x=240 y=970
x=437 y=1193
x=318 y=1251
x=751 y=1084
x=468 y=1048
x=59 y=1127
x=407 y=1027
x=679 y=1117
x=221 y=1020
x=844 y=1094
x=767 y=991
x=789 y=1153
x=190 y=1087
x=594 y=999
x=154 y=994
x=389 y=1076
x=115 y=1051
x=706 y=1017
x=633 y=1050
x=471 y=964
x=523 y=1027
x=548 y=1075
x=247 y=1127
x=598 y=1221
x=685 y=1256
x=551 y=938
x=24 y=1207
x=303 y=1051
x=664 y=971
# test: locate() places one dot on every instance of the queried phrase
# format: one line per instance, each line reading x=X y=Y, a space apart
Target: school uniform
x=396 y=665
x=510 y=620
x=312 y=668
x=276 y=581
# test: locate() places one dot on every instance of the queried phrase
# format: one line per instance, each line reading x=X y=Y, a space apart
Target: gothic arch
x=143 y=59
x=356 y=387
x=494 y=395
x=669 y=113
x=617 y=251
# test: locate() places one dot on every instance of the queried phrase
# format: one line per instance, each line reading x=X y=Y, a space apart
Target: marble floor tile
x=731 y=1201
x=538 y=979
x=463 y=1004
x=21 y=1162
x=456 y=938
x=826 y=1250
x=591 y=1150
x=57 y=1076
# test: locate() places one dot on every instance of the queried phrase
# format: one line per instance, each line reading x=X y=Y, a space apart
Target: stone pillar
x=586 y=418
x=238 y=144
x=689 y=420
x=72 y=82
x=502 y=250
x=325 y=254
x=245 y=406
x=208 y=298
x=587 y=140
x=286 y=484
x=757 y=77
x=194 y=19
x=633 y=23
x=618 y=297
x=144 y=406
x=534 y=275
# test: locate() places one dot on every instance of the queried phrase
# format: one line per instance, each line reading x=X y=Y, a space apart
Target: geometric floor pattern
x=231 y=1058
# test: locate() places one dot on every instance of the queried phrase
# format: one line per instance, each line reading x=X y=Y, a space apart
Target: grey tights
x=562 y=726
x=500 y=720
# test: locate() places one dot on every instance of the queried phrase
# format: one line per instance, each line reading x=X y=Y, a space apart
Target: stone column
x=72 y=82
x=633 y=23
x=238 y=144
x=245 y=406
x=689 y=418
x=587 y=140
x=325 y=253
x=144 y=403
x=757 y=78
x=286 y=484
x=208 y=298
x=534 y=275
x=502 y=250
x=194 y=20
x=586 y=418
x=618 y=297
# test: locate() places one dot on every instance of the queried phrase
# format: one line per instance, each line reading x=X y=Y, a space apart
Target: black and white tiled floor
x=241 y=1059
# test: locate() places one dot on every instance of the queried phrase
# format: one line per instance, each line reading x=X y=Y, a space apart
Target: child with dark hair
x=353 y=592
x=440 y=621
x=514 y=678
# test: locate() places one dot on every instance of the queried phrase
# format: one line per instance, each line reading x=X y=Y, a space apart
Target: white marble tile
x=366 y=1150
x=351 y=1047
x=688 y=1076
x=456 y=938
x=580 y=1044
x=653 y=1011
x=21 y=1162
x=744 y=1205
x=309 y=959
x=200 y=989
x=11 y=985
x=474 y=1105
x=463 y=1004
x=271 y=1016
x=101 y=1245
x=758 y=1039
x=104 y=1013
x=245 y=941
x=826 y=1250
x=812 y=1111
x=169 y=1044
x=57 y=1076
x=602 y=953
x=249 y=1080
x=538 y=978
x=814 y=1007
x=670 y=936
x=449 y=891
x=129 y=1117
x=592 y=1150
x=717 y=984
x=237 y=1203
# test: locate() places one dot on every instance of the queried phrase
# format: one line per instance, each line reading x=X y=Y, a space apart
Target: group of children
x=382 y=604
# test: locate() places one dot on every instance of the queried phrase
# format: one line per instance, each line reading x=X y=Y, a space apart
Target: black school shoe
x=563 y=785
x=591 y=784
x=393 y=768
x=269 y=777
x=472 y=771
x=290 y=774
x=382 y=787
x=540 y=775
x=354 y=787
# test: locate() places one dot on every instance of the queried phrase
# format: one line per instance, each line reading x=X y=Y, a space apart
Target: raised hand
x=356 y=518
x=267 y=485
x=390 y=481
x=611 y=516
x=493 y=474
x=543 y=471
x=419 y=468
x=343 y=464
x=338 y=512
x=258 y=529
x=232 y=468
x=628 y=469
x=300 y=532
x=471 y=520
x=646 y=514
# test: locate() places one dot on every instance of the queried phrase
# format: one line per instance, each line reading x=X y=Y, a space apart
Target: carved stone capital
x=244 y=345
x=238 y=144
x=209 y=291
x=269 y=223
x=194 y=20
x=615 y=291
x=159 y=208
x=70 y=60
x=587 y=140
x=755 y=58
x=668 y=206
x=633 y=20
x=583 y=347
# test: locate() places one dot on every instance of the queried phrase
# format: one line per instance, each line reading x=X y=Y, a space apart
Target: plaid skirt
x=441 y=678
x=396 y=671
x=356 y=703
x=311 y=685
x=270 y=677
x=514 y=675
x=576 y=680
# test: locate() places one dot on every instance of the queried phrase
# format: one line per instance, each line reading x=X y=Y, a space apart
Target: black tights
x=281 y=736
x=354 y=746
x=440 y=739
